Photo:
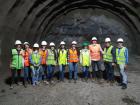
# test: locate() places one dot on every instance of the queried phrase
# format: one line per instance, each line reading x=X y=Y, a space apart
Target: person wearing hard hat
x=35 y=59
x=73 y=61
x=109 y=60
x=62 y=60
x=122 y=61
x=85 y=60
x=17 y=63
x=44 y=53
x=26 y=55
x=95 y=53
x=51 y=61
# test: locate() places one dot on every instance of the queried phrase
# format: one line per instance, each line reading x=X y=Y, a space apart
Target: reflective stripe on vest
x=120 y=57
x=62 y=59
x=85 y=57
x=95 y=52
x=17 y=59
x=73 y=56
x=107 y=54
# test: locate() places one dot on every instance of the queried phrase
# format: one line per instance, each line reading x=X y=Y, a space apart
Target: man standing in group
x=17 y=63
x=44 y=53
x=51 y=61
x=122 y=61
x=35 y=59
x=95 y=52
x=62 y=60
x=26 y=55
x=73 y=61
x=109 y=60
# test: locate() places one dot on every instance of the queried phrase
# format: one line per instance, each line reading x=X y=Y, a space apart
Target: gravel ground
x=80 y=93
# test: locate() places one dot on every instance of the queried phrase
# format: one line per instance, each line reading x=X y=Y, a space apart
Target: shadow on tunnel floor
x=56 y=77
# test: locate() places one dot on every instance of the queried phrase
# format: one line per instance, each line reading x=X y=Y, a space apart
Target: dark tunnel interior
x=56 y=20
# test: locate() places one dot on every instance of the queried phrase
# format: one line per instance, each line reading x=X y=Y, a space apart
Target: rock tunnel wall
x=34 y=20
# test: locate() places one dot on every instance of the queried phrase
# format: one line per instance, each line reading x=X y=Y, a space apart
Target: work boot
x=124 y=86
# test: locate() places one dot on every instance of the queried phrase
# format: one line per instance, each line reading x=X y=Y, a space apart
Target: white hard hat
x=43 y=43
x=94 y=38
x=52 y=44
x=120 y=40
x=74 y=42
x=17 y=42
x=26 y=43
x=62 y=43
x=36 y=45
x=107 y=40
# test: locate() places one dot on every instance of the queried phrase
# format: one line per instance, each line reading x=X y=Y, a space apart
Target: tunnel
x=56 y=20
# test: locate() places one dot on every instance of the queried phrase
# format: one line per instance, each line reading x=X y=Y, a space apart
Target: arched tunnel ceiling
x=32 y=19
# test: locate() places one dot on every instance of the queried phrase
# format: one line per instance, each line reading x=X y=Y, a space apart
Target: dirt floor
x=81 y=93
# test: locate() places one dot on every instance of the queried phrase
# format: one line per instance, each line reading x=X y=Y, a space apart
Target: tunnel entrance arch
x=82 y=24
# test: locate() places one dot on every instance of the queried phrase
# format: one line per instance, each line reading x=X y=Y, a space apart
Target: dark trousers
x=109 y=71
x=16 y=76
x=96 y=68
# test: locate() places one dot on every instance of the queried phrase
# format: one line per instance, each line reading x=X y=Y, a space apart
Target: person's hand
x=113 y=64
x=126 y=66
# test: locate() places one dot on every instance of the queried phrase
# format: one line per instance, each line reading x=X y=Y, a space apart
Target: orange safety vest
x=26 y=56
x=73 y=56
x=95 y=52
x=43 y=56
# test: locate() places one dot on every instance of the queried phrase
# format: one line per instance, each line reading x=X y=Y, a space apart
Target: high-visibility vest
x=85 y=57
x=43 y=54
x=62 y=58
x=108 y=55
x=95 y=52
x=51 y=57
x=120 y=57
x=17 y=59
x=36 y=58
x=26 y=56
x=73 y=56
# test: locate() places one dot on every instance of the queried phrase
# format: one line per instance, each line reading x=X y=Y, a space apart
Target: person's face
x=18 y=47
x=107 y=44
x=120 y=44
x=43 y=47
x=36 y=49
x=73 y=46
x=52 y=47
x=85 y=47
x=62 y=46
x=26 y=46
x=94 y=41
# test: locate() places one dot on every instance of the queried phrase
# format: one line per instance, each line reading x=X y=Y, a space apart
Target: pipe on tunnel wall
x=32 y=20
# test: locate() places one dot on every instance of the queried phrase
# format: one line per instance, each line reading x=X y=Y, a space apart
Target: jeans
x=73 y=67
x=35 y=74
x=50 y=71
x=123 y=73
x=26 y=73
x=61 y=72
x=96 y=68
x=85 y=70
x=109 y=71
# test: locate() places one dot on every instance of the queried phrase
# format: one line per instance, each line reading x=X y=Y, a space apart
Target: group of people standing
x=38 y=63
